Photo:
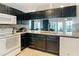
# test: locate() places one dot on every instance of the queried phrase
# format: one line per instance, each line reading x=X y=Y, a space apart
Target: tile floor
x=33 y=52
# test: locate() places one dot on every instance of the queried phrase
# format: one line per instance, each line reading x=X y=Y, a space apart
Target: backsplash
x=24 y=24
x=20 y=26
x=67 y=24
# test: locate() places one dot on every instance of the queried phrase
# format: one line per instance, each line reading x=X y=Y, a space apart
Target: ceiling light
x=61 y=6
x=32 y=10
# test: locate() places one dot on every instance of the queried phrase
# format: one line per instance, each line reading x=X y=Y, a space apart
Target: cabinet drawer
x=37 y=36
x=53 y=38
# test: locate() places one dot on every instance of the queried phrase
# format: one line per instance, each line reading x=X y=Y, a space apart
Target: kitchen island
x=53 y=42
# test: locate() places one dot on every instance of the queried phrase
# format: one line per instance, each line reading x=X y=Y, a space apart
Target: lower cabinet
x=53 y=44
x=25 y=40
x=69 y=46
x=46 y=43
x=38 y=41
x=42 y=42
x=63 y=46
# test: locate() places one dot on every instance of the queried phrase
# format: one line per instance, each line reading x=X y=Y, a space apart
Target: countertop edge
x=70 y=36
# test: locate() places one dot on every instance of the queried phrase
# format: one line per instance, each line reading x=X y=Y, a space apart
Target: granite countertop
x=62 y=34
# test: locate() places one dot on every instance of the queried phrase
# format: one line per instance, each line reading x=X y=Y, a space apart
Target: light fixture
x=33 y=10
x=61 y=6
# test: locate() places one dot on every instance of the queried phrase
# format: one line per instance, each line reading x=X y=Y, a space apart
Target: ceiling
x=32 y=7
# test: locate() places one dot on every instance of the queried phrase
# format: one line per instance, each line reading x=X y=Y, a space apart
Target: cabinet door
x=25 y=40
x=41 y=42
x=34 y=41
x=42 y=14
x=13 y=20
x=58 y=12
x=19 y=19
x=2 y=46
x=69 y=11
x=7 y=19
x=53 y=44
x=11 y=11
x=2 y=8
x=64 y=46
x=38 y=41
x=69 y=46
x=33 y=15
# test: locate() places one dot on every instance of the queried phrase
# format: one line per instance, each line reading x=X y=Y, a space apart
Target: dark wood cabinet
x=25 y=40
x=2 y=8
x=19 y=22
x=38 y=41
x=57 y=12
x=9 y=10
x=53 y=44
x=47 y=43
x=33 y=15
x=49 y=13
x=38 y=15
x=69 y=11
x=42 y=14
x=19 y=19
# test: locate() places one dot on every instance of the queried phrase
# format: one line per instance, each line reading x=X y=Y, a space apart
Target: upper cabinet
x=69 y=11
x=9 y=10
x=53 y=13
x=2 y=8
x=57 y=12
x=7 y=19
x=38 y=15
x=64 y=12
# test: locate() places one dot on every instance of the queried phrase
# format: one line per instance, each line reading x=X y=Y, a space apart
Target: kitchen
x=49 y=28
